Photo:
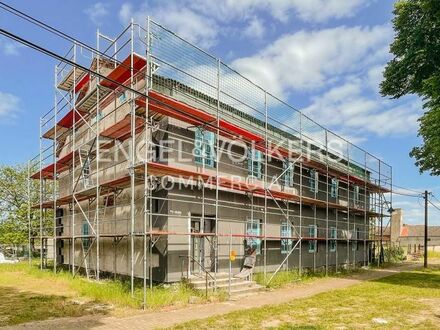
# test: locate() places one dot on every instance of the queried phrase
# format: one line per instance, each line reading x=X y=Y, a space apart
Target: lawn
x=36 y=294
x=405 y=300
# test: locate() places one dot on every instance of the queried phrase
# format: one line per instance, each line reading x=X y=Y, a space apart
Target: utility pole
x=425 y=257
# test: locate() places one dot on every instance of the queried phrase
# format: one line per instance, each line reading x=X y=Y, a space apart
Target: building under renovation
x=158 y=161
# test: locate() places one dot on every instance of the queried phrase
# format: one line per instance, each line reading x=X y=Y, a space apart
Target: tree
x=415 y=69
x=14 y=199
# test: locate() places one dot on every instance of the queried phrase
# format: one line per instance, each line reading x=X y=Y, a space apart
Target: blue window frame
x=253 y=228
x=255 y=163
x=288 y=169
x=204 y=147
x=334 y=189
x=333 y=238
x=313 y=181
x=122 y=98
x=286 y=243
x=313 y=233
x=85 y=232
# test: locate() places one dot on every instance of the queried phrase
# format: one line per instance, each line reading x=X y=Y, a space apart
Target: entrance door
x=202 y=246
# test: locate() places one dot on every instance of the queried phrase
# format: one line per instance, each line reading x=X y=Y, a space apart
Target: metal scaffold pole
x=217 y=165
x=147 y=192
x=366 y=230
x=132 y=162
x=265 y=177
x=41 y=196
x=97 y=142
x=300 y=193
x=54 y=187
x=348 y=207
x=29 y=201
x=73 y=205
x=327 y=201
x=381 y=260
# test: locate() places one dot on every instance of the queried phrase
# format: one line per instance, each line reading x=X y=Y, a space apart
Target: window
x=356 y=194
x=96 y=118
x=334 y=189
x=253 y=228
x=313 y=181
x=255 y=163
x=333 y=238
x=122 y=98
x=312 y=234
x=86 y=172
x=85 y=232
x=286 y=231
x=109 y=200
x=288 y=170
x=204 y=147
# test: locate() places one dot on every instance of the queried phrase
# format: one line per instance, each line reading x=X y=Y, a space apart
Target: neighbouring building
x=411 y=237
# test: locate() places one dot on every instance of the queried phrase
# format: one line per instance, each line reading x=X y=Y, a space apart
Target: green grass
x=17 y=307
x=289 y=277
x=434 y=254
x=58 y=294
x=405 y=300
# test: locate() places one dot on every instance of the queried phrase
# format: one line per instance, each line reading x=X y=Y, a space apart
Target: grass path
x=170 y=318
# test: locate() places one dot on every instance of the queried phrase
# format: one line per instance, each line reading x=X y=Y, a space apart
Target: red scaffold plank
x=70 y=117
x=62 y=164
x=83 y=82
x=122 y=72
x=122 y=129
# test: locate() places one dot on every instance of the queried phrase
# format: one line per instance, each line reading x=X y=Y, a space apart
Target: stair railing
x=207 y=273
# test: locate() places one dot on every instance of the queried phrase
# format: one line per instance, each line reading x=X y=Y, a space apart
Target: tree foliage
x=415 y=69
x=14 y=199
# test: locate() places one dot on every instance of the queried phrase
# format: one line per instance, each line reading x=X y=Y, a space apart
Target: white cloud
x=323 y=10
x=97 y=12
x=340 y=68
x=254 y=29
x=9 y=106
x=306 y=10
x=352 y=108
x=202 y=21
x=308 y=60
x=9 y=48
x=188 y=24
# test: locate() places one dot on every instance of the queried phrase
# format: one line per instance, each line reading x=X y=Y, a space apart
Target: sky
x=324 y=57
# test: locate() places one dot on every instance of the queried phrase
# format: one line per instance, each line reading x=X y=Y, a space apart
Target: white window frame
x=286 y=231
x=313 y=180
x=251 y=241
x=334 y=188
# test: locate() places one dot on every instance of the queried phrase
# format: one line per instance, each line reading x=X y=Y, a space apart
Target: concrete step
x=219 y=281
x=240 y=287
x=202 y=276
x=225 y=285
x=238 y=293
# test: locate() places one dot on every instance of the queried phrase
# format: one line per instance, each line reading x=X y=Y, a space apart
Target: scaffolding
x=108 y=172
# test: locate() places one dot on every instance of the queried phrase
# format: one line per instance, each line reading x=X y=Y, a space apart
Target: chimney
x=396 y=224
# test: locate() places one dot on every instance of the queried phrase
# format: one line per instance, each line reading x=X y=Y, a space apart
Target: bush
x=394 y=254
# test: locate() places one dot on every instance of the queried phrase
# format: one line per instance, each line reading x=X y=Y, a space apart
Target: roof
x=419 y=230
